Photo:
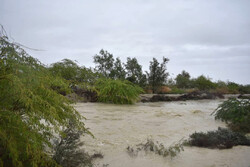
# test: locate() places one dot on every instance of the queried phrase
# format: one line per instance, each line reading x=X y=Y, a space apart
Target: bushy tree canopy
x=31 y=109
x=183 y=80
x=204 y=83
x=117 y=91
x=134 y=72
x=104 y=63
x=158 y=74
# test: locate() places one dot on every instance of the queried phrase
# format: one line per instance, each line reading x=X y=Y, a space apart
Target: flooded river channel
x=116 y=127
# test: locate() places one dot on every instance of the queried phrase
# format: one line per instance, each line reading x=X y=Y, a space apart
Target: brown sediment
x=157 y=121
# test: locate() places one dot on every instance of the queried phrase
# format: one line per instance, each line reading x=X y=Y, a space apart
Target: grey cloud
x=208 y=37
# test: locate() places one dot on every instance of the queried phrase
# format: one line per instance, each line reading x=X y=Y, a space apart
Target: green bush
x=233 y=87
x=204 y=83
x=221 y=138
x=244 y=89
x=235 y=112
x=117 y=91
x=175 y=90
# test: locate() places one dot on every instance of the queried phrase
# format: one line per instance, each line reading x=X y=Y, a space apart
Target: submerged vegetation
x=235 y=112
x=68 y=152
x=157 y=148
x=221 y=138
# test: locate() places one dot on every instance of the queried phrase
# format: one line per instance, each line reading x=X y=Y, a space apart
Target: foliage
x=87 y=76
x=59 y=85
x=222 y=139
x=117 y=91
x=183 y=80
x=67 y=69
x=118 y=71
x=134 y=72
x=233 y=87
x=68 y=152
x=244 y=89
x=175 y=90
x=204 y=83
x=157 y=75
x=157 y=148
x=236 y=112
x=31 y=110
x=104 y=63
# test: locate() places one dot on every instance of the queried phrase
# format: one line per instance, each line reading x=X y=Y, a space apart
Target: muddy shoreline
x=81 y=95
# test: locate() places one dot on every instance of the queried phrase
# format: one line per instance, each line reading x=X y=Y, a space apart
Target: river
x=116 y=127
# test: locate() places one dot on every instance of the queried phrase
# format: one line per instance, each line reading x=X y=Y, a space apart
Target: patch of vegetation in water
x=68 y=153
x=236 y=113
x=157 y=148
x=221 y=138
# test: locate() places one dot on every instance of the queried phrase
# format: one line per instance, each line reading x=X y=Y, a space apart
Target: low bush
x=221 y=138
x=67 y=150
x=235 y=112
x=175 y=90
x=157 y=148
x=117 y=91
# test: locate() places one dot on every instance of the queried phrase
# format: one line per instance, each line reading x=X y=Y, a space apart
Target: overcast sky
x=210 y=37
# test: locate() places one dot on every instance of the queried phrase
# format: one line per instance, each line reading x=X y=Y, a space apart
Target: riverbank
x=81 y=95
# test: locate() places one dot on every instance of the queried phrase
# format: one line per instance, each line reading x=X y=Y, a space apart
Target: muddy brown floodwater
x=116 y=127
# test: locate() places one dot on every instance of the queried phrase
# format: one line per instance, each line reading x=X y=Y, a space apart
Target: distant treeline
x=154 y=81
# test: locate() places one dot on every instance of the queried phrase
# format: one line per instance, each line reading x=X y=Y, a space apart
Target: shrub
x=175 y=90
x=117 y=91
x=204 y=83
x=68 y=152
x=235 y=112
x=244 y=89
x=157 y=148
x=222 y=139
x=233 y=87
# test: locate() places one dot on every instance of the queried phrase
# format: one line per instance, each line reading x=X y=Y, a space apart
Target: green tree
x=158 y=74
x=88 y=76
x=31 y=111
x=67 y=69
x=244 y=89
x=183 y=80
x=104 y=63
x=134 y=72
x=233 y=87
x=118 y=71
x=204 y=83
